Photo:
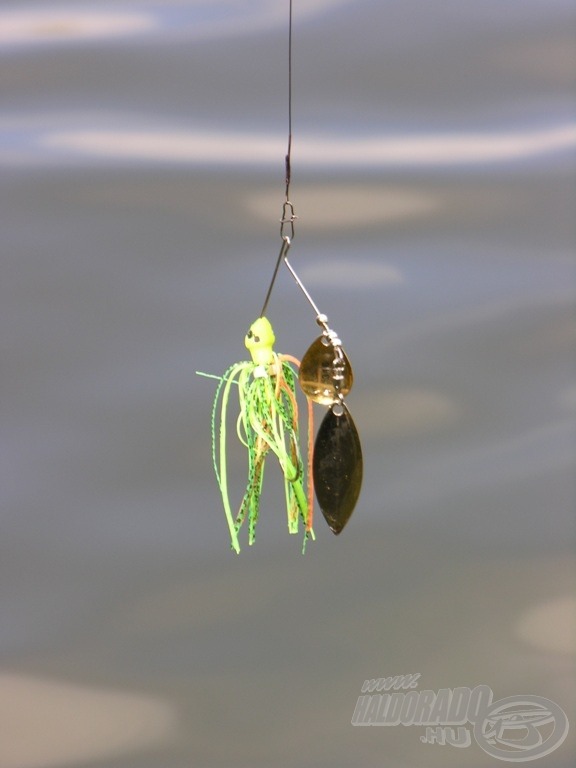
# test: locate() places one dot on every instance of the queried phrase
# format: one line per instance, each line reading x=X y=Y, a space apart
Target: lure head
x=260 y=340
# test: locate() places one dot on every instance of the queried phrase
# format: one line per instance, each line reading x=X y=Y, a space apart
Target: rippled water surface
x=141 y=154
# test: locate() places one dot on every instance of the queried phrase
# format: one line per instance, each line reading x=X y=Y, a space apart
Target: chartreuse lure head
x=260 y=341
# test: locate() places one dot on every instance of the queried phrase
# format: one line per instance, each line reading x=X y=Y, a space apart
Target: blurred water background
x=141 y=147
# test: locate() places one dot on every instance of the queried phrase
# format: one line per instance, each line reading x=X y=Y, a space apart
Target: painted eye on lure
x=259 y=341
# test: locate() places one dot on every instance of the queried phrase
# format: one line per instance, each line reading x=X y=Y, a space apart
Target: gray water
x=141 y=146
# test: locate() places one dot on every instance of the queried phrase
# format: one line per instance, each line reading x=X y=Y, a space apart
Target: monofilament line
x=289 y=150
x=286 y=220
x=288 y=215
